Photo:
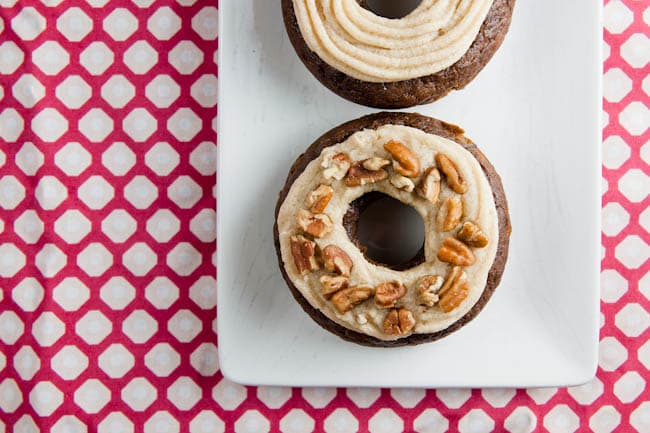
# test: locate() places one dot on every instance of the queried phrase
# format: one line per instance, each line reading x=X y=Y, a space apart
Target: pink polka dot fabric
x=107 y=241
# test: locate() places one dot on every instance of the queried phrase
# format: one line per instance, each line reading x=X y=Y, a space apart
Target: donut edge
x=416 y=91
x=431 y=126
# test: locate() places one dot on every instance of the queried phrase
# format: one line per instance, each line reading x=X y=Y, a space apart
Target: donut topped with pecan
x=436 y=176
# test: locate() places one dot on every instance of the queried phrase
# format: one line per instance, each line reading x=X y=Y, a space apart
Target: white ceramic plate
x=534 y=111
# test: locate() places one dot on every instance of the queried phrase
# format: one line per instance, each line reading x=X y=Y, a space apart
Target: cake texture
x=395 y=63
x=425 y=163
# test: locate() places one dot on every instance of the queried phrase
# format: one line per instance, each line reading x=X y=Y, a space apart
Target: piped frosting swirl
x=371 y=48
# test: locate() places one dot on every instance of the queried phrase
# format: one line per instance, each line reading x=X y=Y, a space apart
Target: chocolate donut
x=395 y=63
x=425 y=163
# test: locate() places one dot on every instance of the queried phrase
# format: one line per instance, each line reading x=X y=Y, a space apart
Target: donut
x=426 y=164
x=396 y=63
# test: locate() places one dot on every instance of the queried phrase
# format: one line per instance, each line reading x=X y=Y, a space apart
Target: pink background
x=107 y=301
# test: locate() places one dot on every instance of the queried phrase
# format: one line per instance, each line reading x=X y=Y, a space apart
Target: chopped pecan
x=375 y=163
x=452 y=174
x=454 y=291
x=318 y=199
x=346 y=299
x=429 y=187
x=358 y=175
x=317 y=225
x=455 y=252
x=450 y=213
x=402 y=182
x=399 y=322
x=427 y=288
x=337 y=260
x=303 y=251
x=472 y=235
x=387 y=294
x=453 y=298
x=335 y=166
x=455 y=275
x=332 y=284
x=406 y=163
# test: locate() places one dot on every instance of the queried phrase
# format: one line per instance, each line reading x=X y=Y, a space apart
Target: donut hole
x=392 y=8
x=388 y=232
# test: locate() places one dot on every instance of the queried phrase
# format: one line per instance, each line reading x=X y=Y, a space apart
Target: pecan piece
x=318 y=199
x=402 y=182
x=337 y=260
x=335 y=166
x=427 y=288
x=452 y=174
x=387 y=294
x=472 y=235
x=429 y=187
x=317 y=225
x=450 y=213
x=406 y=163
x=455 y=275
x=454 y=291
x=332 y=284
x=455 y=252
x=303 y=251
x=358 y=175
x=346 y=299
x=375 y=163
x=399 y=322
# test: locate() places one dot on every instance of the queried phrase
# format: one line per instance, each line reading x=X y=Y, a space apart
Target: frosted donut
x=392 y=63
x=426 y=164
